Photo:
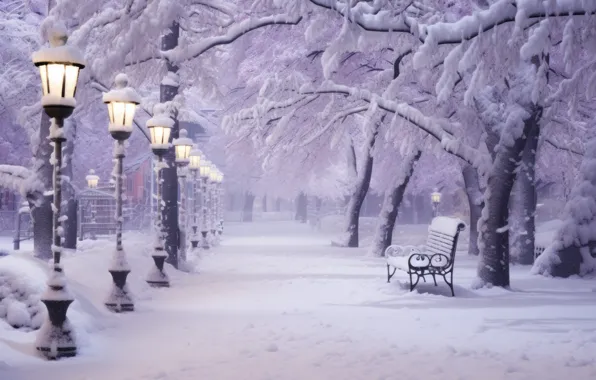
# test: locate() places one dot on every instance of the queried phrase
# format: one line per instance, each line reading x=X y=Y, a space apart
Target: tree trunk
x=42 y=213
x=278 y=205
x=390 y=209
x=476 y=204
x=359 y=193
x=301 y=208
x=167 y=93
x=573 y=249
x=264 y=203
x=522 y=219
x=249 y=201
x=493 y=268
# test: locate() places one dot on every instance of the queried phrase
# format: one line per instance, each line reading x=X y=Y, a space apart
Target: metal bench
x=434 y=259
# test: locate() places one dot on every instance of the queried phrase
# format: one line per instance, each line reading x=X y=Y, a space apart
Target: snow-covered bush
x=21 y=284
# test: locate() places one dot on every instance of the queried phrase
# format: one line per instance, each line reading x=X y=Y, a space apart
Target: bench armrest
x=419 y=260
x=439 y=260
x=403 y=250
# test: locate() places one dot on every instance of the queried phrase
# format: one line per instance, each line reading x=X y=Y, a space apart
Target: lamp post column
x=212 y=206
x=205 y=209
x=157 y=276
x=119 y=299
x=182 y=221
x=221 y=208
x=195 y=210
x=56 y=338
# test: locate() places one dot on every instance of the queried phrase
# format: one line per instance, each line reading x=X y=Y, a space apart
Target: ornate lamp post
x=435 y=198
x=195 y=167
x=182 y=147
x=122 y=102
x=92 y=181
x=160 y=126
x=205 y=171
x=59 y=67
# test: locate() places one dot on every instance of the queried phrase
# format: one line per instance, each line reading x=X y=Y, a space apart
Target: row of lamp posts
x=59 y=67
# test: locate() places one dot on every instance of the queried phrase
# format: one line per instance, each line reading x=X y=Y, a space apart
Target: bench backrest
x=442 y=236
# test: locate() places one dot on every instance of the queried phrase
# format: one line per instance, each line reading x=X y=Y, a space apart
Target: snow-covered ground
x=276 y=301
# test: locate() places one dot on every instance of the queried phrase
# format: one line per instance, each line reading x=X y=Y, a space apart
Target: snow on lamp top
x=195 y=158
x=92 y=179
x=182 y=146
x=122 y=101
x=160 y=126
x=59 y=66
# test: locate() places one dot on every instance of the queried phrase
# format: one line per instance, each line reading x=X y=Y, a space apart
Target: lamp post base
x=55 y=338
x=205 y=244
x=119 y=300
x=157 y=277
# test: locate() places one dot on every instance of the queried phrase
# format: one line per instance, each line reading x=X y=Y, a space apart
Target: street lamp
x=122 y=102
x=205 y=170
x=195 y=167
x=92 y=181
x=182 y=148
x=160 y=126
x=435 y=198
x=59 y=67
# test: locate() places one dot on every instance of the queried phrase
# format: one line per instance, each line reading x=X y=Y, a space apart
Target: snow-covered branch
x=522 y=12
x=558 y=145
x=21 y=179
x=340 y=116
x=371 y=19
x=181 y=54
x=440 y=129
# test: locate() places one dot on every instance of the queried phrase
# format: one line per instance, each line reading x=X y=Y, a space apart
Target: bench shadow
x=544 y=325
x=429 y=296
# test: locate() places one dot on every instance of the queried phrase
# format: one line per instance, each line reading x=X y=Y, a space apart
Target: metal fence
x=8 y=222
x=96 y=213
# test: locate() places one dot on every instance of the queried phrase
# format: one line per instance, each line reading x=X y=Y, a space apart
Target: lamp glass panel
x=56 y=78
x=43 y=72
x=129 y=113
x=110 y=112
x=166 y=134
x=195 y=162
x=118 y=113
x=72 y=76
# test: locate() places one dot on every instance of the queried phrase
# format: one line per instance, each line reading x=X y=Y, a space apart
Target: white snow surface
x=445 y=225
x=276 y=301
x=65 y=53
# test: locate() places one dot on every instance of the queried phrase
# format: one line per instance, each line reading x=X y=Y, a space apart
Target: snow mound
x=20 y=291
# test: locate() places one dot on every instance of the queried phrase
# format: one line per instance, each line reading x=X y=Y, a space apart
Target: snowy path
x=276 y=302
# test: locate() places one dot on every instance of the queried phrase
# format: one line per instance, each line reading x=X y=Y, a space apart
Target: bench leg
x=389 y=274
x=413 y=284
x=449 y=283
